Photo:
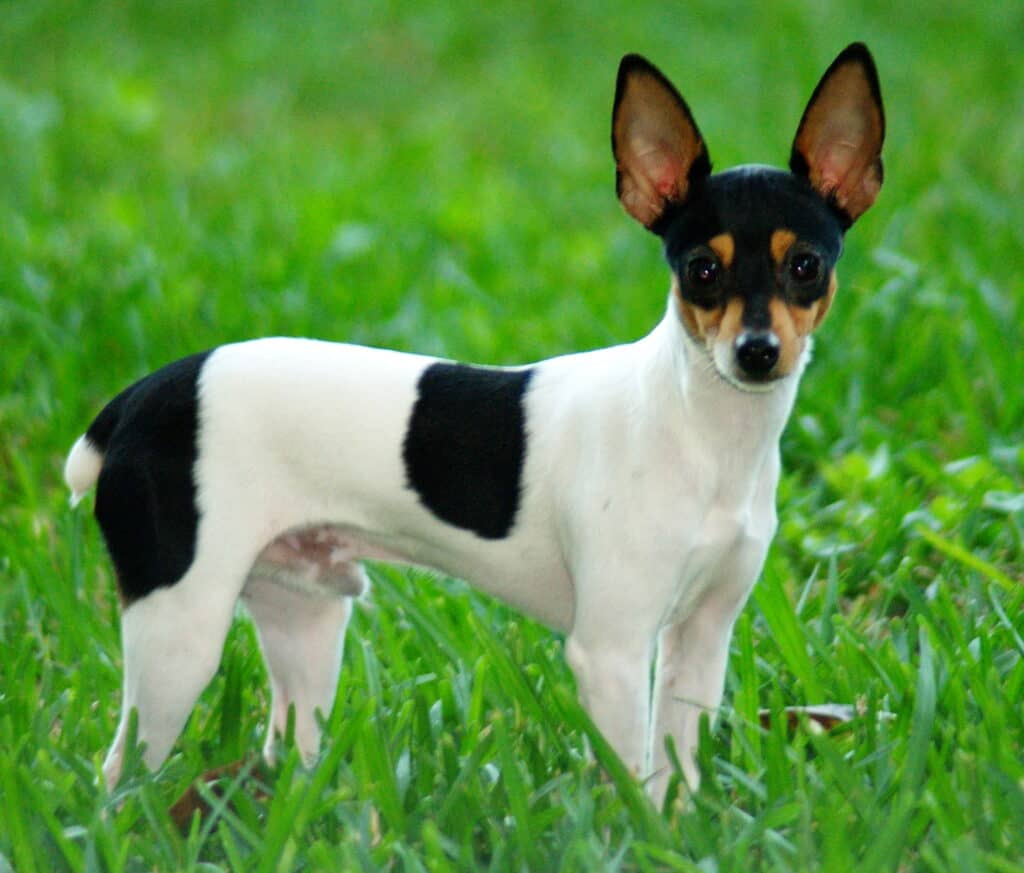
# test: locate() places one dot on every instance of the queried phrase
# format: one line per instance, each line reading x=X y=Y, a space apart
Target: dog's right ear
x=659 y=152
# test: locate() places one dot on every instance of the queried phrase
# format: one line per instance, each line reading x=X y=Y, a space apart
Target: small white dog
x=625 y=496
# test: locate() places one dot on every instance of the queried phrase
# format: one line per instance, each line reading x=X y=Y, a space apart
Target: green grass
x=405 y=174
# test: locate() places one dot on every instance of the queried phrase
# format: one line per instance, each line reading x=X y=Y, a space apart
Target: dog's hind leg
x=301 y=634
x=172 y=640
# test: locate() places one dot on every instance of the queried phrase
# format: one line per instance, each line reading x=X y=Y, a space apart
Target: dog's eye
x=703 y=271
x=805 y=267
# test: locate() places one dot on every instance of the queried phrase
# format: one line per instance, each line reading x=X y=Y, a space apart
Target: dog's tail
x=82 y=468
x=85 y=460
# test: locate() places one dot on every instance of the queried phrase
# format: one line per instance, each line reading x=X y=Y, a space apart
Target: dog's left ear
x=658 y=150
x=838 y=145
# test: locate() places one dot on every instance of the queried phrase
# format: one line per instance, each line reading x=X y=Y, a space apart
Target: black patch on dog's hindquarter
x=466 y=443
x=146 y=494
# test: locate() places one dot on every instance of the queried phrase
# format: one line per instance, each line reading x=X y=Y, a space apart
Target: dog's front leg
x=609 y=649
x=689 y=680
x=612 y=676
x=693 y=653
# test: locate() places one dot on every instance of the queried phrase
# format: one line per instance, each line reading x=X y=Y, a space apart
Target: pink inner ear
x=834 y=163
x=664 y=168
x=652 y=173
x=843 y=170
x=841 y=142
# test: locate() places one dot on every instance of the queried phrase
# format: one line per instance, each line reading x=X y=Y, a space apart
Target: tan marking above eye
x=781 y=242
x=724 y=246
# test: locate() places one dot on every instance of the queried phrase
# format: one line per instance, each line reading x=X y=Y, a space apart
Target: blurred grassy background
x=437 y=177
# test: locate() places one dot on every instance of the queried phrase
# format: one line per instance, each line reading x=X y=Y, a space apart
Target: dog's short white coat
x=647 y=508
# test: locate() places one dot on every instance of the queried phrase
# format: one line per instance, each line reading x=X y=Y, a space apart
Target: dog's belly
x=316 y=560
x=324 y=559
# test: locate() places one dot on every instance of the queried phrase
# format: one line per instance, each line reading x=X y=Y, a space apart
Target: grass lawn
x=438 y=179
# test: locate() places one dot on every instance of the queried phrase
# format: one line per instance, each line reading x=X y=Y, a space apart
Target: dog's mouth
x=753 y=385
x=727 y=366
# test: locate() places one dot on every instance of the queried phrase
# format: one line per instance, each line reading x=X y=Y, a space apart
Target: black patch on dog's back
x=146 y=494
x=465 y=446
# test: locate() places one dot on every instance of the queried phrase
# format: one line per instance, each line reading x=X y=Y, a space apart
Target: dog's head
x=752 y=250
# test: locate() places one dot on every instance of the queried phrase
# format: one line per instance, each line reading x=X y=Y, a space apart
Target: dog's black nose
x=757 y=353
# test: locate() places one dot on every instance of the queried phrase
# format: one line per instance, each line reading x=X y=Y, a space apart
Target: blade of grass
x=886 y=851
x=15 y=814
x=968 y=559
x=517 y=792
x=788 y=634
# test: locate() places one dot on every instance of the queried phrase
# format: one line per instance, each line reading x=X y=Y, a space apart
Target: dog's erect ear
x=838 y=146
x=658 y=150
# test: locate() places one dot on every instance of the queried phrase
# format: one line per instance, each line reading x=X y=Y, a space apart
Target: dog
x=624 y=496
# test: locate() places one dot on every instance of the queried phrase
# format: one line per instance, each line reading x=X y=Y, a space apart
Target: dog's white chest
x=725 y=553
